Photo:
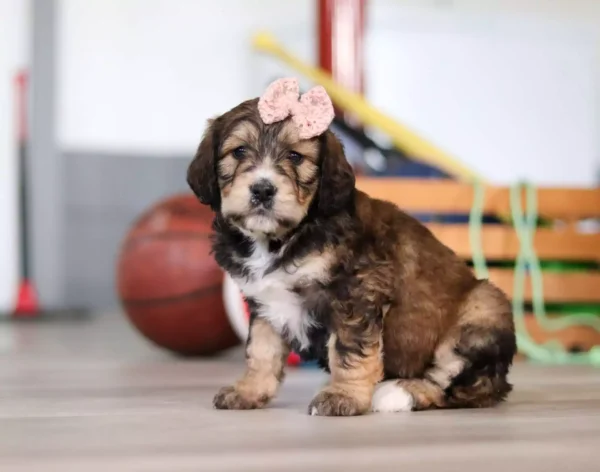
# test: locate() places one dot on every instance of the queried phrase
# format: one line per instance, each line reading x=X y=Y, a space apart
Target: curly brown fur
x=396 y=317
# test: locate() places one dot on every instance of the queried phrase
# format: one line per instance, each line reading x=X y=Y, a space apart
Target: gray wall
x=81 y=203
x=103 y=196
x=45 y=167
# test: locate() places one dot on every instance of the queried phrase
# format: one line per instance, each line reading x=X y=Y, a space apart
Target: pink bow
x=312 y=113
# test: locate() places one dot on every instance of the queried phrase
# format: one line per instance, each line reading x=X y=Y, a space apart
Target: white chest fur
x=283 y=308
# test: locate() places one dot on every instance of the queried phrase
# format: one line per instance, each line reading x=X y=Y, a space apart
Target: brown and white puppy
x=396 y=317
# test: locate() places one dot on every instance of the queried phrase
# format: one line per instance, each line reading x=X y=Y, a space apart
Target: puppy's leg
x=356 y=365
x=266 y=353
x=470 y=365
x=486 y=340
x=422 y=393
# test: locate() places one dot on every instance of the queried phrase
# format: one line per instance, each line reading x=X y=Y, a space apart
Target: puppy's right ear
x=201 y=174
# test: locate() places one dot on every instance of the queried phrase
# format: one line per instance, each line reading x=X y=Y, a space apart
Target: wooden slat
x=581 y=337
x=501 y=242
x=566 y=287
x=446 y=196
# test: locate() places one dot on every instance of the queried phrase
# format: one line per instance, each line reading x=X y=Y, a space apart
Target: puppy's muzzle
x=262 y=193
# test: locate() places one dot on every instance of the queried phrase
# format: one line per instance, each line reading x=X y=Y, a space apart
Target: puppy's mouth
x=263 y=221
x=262 y=209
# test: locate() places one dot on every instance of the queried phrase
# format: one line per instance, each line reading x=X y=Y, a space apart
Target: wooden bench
x=562 y=241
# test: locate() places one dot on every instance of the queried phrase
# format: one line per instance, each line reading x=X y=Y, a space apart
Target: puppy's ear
x=336 y=188
x=202 y=174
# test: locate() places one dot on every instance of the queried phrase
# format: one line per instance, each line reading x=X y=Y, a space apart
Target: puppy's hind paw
x=390 y=397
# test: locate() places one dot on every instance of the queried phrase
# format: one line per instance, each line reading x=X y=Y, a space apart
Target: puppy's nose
x=263 y=191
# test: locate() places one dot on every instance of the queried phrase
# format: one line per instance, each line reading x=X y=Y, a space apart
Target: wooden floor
x=94 y=396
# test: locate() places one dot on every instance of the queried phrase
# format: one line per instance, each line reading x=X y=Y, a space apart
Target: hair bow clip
x=312 y=113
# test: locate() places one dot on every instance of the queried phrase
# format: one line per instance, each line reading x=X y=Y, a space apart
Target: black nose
x=262 y=191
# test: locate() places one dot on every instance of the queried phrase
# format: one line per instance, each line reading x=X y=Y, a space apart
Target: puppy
x=398 y=320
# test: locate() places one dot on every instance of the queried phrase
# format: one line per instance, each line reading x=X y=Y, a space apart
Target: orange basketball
x=168 y=282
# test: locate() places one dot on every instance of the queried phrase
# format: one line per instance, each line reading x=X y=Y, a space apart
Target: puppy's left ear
x=202 y=174
x=336 y=188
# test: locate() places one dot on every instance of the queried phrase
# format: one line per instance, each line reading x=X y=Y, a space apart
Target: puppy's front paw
x=229 y=398
x=331 y=403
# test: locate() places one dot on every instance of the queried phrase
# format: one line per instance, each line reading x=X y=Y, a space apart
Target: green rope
x=527 y=259
x=475 y=227
x=552 y=351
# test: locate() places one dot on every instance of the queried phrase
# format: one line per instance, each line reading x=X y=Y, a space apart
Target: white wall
x=510 y=87
x=144 y=75
x=513 y=94
x=562 y=10
x=14 y=16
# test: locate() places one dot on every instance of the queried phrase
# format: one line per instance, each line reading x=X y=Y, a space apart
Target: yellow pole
x=401 y=136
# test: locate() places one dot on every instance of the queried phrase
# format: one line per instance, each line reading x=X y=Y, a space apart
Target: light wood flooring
x=94 y=396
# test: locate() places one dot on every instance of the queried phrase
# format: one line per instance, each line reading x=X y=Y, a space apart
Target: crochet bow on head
x=312 y=113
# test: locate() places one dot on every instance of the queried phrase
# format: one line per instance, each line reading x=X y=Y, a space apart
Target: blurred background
x=119 y=92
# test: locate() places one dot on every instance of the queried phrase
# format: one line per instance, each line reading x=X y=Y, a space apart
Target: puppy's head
x=263 y=178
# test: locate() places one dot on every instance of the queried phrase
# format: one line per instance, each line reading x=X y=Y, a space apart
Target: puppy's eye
x=239 y=152
x=295 y=157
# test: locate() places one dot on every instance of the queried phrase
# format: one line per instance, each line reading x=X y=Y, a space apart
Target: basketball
x=168 y=283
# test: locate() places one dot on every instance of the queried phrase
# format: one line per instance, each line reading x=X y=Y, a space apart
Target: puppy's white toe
x=314 y=411
x=390 y=397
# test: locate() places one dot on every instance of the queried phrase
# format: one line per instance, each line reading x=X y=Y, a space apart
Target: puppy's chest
x=278 y=292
